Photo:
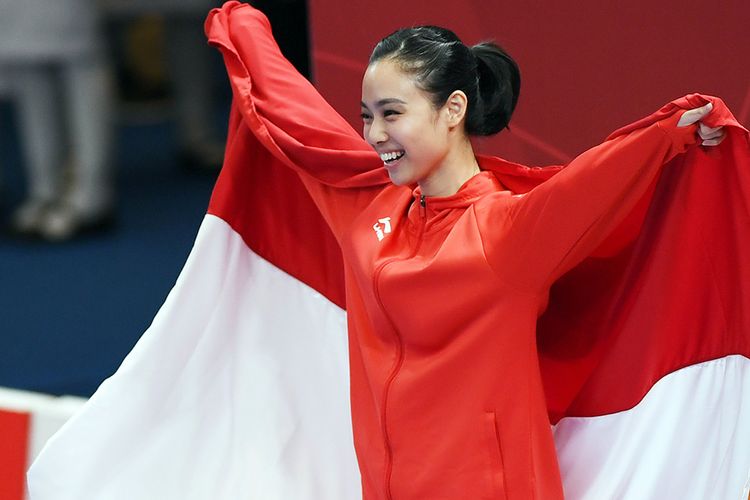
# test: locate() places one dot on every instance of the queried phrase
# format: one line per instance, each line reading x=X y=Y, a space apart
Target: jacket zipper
x=400 y=348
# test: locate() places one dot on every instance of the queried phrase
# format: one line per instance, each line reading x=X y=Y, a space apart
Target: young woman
x=447 y=268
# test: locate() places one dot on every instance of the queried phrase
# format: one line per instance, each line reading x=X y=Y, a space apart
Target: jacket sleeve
x=291 y=119
x=544 y=233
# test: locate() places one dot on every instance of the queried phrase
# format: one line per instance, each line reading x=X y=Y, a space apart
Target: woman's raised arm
x=556 y=225
x=291 y=119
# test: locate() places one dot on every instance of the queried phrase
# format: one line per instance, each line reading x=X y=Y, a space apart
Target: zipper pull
x=421 y=201
x=422 y=205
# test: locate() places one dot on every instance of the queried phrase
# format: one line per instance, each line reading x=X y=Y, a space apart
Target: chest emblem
x=382 y=227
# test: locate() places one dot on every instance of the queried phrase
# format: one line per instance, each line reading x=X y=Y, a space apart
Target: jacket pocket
x=495 y=453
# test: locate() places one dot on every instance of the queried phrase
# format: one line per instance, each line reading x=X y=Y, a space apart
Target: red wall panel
x=587 y=67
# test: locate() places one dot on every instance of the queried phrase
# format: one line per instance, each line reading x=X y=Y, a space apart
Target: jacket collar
x=477 y=186
x=438 y=210
x=497 y=175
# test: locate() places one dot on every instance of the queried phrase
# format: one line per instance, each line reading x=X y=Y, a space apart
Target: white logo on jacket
x=381 y=231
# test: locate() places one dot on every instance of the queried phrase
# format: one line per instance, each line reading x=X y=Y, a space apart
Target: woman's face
x=402 y=125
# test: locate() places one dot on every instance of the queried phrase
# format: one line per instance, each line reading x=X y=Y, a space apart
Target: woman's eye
x=390 y=112
x=365 y=117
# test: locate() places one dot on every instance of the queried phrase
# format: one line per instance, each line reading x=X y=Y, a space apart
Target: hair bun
x=499 y=82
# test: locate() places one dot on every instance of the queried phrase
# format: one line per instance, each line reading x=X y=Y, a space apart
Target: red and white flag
x=239 y=389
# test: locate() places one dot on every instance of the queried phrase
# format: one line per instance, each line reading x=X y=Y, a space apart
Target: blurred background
x=113 y=116
x=112 y=127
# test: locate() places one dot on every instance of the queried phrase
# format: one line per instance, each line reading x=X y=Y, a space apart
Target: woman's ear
x=456 y=107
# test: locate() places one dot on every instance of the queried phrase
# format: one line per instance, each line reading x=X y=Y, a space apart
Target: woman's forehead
x=384 y=83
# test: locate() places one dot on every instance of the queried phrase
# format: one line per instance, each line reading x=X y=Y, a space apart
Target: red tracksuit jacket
x=442 y=294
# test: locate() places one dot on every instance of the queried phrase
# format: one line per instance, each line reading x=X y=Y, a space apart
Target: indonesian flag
x=239 y=389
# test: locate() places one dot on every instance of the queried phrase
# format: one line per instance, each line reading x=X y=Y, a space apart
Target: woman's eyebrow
x=384 y=102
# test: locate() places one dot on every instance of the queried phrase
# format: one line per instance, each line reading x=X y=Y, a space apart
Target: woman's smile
x=392 y=158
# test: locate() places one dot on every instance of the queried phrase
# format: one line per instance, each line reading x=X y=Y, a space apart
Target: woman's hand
x=710 y=136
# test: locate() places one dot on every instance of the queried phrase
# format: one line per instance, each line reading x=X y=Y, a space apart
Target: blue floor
x=70 y=312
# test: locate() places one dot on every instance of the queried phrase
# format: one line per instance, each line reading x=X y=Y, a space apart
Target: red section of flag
x=676 y=297
x=270 y=208
x=14 y=439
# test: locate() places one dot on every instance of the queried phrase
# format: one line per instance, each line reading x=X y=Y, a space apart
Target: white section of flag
x=688 y=439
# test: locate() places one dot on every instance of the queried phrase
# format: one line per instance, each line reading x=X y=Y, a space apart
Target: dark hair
x=442 y=64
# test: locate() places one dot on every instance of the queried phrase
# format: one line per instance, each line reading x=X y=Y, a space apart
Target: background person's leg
x=36 y=99
x=88 y=199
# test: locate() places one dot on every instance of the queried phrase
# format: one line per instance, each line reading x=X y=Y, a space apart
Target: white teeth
x=391 y=156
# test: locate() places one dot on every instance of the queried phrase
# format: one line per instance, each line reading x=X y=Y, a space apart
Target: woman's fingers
x=713 y=142
x=711 y=136
x=693 y=115
x=707 y=132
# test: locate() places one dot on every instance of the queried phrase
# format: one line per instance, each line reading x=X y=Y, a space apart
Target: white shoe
x=63 y=221
x=28 y=218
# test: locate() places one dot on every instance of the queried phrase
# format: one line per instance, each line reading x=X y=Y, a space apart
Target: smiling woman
x=424 y=93
x=419 y=143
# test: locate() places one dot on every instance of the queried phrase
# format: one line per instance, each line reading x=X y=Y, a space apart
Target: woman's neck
x=459 y=166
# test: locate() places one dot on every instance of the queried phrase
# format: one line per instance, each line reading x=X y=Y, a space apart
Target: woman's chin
x=398 y=178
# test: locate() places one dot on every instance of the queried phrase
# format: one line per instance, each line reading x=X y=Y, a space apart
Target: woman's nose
x=375 y=133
